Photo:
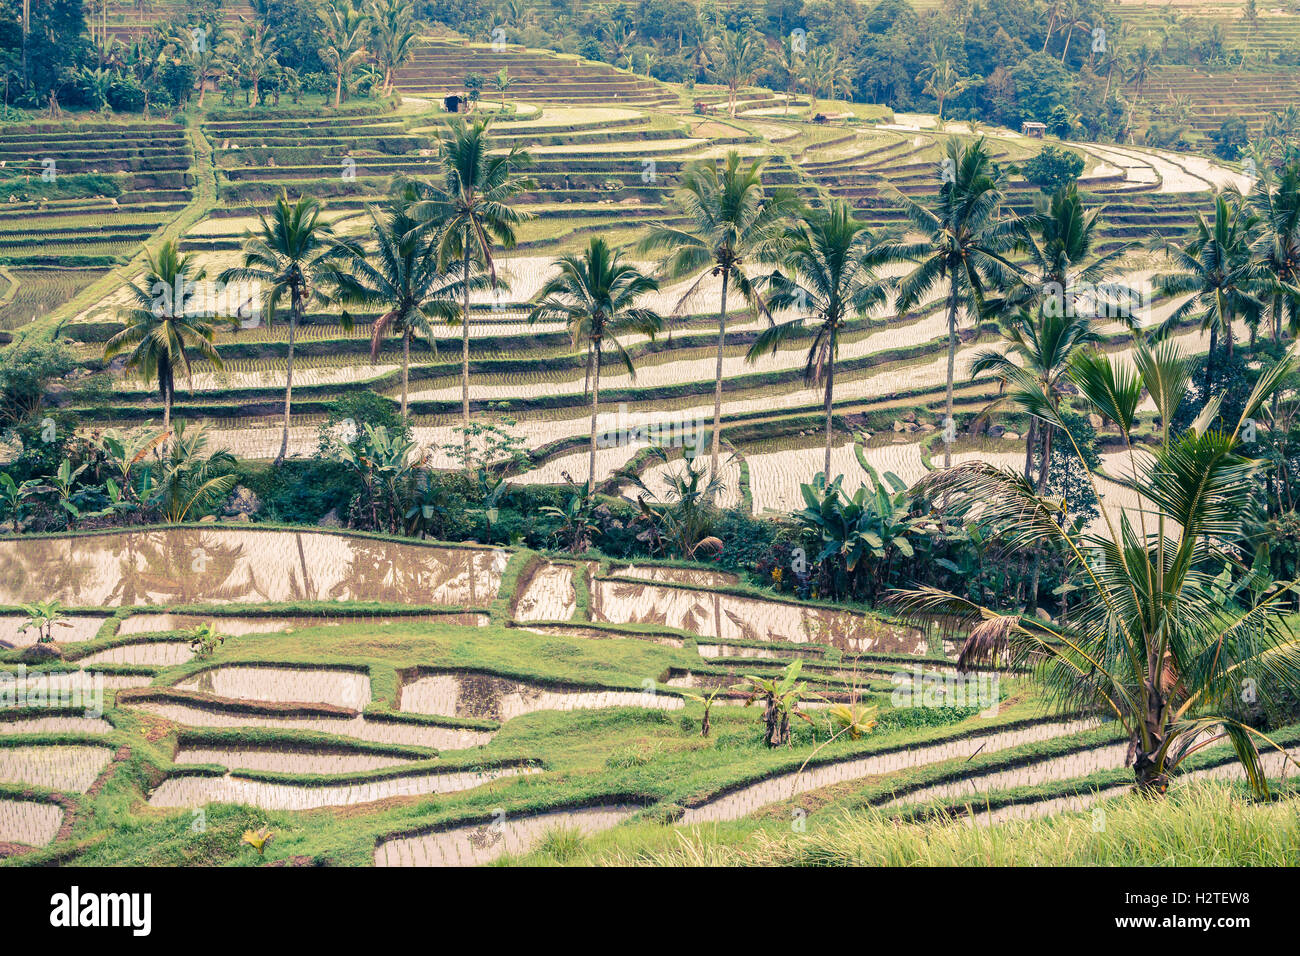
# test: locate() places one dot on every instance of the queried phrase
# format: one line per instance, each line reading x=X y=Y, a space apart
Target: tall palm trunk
x=1031 y=435
x=294 y=314
x=168 y=388
x=949 y=427
x=338 y=91
x=406 y=367
x=1044 y=471
x=830 y=387
x=464 y=345
x=595 y=405
x=1209 y=358
x=717 y=383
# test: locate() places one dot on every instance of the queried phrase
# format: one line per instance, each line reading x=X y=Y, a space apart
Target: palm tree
x=402 y=275
x=503 y=82
x=1075 y=16
x=596 y=296
x=1276 y=204
x=471 y=212
x=345 y=32
x=965 y=245
x=1218 y=273
x=293 y=254
x=1055 y=14
x=159 y=328
x=789 y=62
x=394 y=34
x=827 y=69
x=1154 y=638
x=827 y=270
x=735 y=62
x=942 y=81
x=256 y=56
x=729 y=219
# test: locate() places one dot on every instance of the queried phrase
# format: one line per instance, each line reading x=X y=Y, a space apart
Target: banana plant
x=14 y=497
x=577 y=522
x=781 y=697
x=44 y=617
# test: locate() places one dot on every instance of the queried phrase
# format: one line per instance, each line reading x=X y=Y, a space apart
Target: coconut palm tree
x=394 y=33
x=255 y=56
x=734 y=63
x=827 y=272
x=1217 y=272
x=1166 y=626
x=503 y=81
x=942 y=81
x=965 y=245
x=1036 y=358
x=470 y=211
x=293 y=253
x=345 y=30
x=403 y=276
x=159 y=328
x=789 y=61
x=730 y=219
x=1276 y=204
x=596 y=296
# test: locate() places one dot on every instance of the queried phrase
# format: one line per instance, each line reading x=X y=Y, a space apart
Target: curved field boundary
x=197 y=791
x=63 y=767
x=217 y=714
x=475 y=844
x=348 y=688
x=477 y=695
x=745 y=799
x=28 y=822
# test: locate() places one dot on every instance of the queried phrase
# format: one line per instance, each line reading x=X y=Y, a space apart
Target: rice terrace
x=653 y=433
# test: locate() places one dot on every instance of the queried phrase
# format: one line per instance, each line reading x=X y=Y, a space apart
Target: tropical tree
x=596 y=296
x=781 y=698
x=1217 y=272
x=193 y=480
x=345 y=30
x=789 y=61
x=827 y=69
x=1167 y=624
x=965 y=246
x=503 y=82
x=827 y=275
x=293 y=253
x=942 y=81
x=159 y=328
x=255 y=56
x=402 y=276
x=1276 y=247
x=734 y=63
x=43 y=617
x=469 y=211
x=394 y=34
x=680 y=519
x=730 y=219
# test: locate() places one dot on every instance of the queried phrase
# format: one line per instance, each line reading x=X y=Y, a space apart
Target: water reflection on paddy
x=223 y=565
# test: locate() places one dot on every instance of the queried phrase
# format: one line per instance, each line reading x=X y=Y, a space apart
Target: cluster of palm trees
x=355 y=35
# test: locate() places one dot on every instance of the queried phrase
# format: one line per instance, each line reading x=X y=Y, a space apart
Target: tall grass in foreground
x=1203 y=824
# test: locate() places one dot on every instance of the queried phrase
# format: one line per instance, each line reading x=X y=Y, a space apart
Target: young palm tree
x=1157 y=637
x=255 y=56
x=790 y=63
x=735 y=62
x=470 y=211
x=942 y=81
x=1276 y=204
x=965 y=246
x=503 y=81
x=394 y=34
x=345 y=31
x=827 y=270
x=1040 y=348
x=403 y=276
x=158 y=329
x=729 y=219
x=293 y=254
x=596 y=295
x=1217 y=269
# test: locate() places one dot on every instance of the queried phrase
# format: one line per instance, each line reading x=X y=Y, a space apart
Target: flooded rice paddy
x=731 y=617
x=198 y=791
x=69 y=768
x=317 y=685
x=29 y=822
x=488 y=697
x=483 y=842
x=222 y=565
x=548 y=595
